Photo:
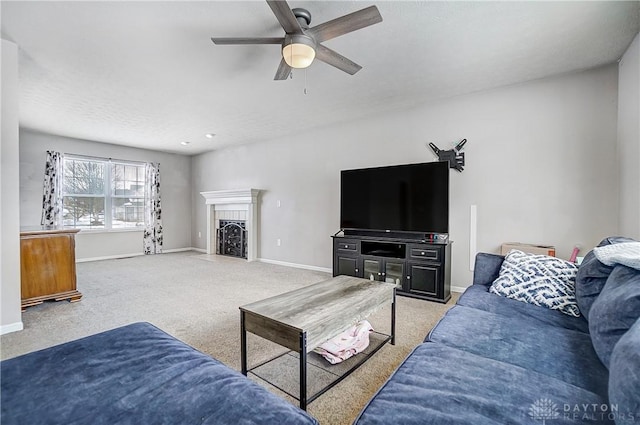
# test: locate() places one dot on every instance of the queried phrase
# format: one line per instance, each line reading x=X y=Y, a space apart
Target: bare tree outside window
x=84 y=200
x=103 y=194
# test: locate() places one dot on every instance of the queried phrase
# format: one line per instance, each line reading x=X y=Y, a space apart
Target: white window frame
x=109 y=192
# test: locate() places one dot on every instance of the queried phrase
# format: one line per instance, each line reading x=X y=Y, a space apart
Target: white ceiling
x=146 y=74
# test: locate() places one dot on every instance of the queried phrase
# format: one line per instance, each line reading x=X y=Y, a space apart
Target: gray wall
x=175 y=175
x=10 y=318
x=629 y=140
x=541 y=168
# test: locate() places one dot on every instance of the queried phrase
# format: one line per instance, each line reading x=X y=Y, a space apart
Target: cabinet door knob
x=422 y=253
x=408 y=277
x=378 y=273
x=356 y=270
x=347 y=246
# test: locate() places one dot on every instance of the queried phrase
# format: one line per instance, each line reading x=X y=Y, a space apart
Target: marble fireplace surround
x=236 y=204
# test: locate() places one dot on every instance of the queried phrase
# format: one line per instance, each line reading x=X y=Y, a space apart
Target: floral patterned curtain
x=52 y=190
x=152 y=238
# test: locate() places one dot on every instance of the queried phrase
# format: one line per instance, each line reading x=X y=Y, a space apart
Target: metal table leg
x=243 y=345
x=393 y=318
x=303 y=370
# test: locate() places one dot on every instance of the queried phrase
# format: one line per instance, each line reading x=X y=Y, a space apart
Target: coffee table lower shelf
x=282 y=371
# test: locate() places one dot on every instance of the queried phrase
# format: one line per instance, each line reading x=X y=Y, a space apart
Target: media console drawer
x=426 y=252
x=347 y=245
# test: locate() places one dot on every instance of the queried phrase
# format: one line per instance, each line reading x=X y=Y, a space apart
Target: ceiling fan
x=301 y=44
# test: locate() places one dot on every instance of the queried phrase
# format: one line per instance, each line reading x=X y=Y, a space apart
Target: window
x=127 y=195
x=103 y=193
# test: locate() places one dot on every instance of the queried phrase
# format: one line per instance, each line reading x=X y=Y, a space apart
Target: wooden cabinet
x=420 y=269
x=48 y=266
x=347 y=260
x=423 y=279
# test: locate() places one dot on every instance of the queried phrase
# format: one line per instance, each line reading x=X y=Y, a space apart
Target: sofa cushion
x=592 y=275
x=486 y=268
x=538 y=279
x=624 y=376
x=478 y=296
x=441 y=385
x=559 y=353
x=135 y=374
x=615 y=310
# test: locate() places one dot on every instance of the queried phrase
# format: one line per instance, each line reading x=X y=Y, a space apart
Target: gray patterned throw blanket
x=626 y=253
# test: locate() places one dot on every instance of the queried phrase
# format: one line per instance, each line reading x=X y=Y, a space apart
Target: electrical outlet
x=278 y=203
x=278 y=242
x=199 y=234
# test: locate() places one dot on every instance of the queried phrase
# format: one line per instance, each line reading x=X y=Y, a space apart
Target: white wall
x=629 y=140
x=541 y=168
x=10 y=316
x=175 y=175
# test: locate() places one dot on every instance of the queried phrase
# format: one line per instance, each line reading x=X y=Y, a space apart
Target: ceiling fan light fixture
x=298 y=51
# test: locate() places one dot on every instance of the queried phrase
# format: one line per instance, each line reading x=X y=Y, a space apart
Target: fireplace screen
x=232 y=238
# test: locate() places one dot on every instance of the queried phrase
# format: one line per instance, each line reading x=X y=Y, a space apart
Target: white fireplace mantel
x=235 y=200
x=234 y=196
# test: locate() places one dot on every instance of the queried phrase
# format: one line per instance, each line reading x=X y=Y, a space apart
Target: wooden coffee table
x=305 y=318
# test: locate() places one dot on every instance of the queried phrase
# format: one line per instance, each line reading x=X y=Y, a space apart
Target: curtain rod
x=75 y=155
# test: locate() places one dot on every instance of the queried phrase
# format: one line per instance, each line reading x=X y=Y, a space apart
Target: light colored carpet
x=195 y=298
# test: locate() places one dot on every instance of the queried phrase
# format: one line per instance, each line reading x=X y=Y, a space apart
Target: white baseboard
x=459 y=289
x=169 y=251
x=137 y=254
x=13 y=327
x=108 y=257
x=297 y=266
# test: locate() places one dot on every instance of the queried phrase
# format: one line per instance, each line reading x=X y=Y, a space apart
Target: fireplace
x=233 y=213
x=232 y=238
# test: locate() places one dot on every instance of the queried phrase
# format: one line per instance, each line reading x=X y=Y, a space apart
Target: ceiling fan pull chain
x=305 y=81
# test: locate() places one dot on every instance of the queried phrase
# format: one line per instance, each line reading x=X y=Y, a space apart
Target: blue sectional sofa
x=135 y=374
x=495 y=360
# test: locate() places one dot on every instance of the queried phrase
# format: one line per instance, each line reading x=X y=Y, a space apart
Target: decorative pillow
x=615 y=310
x=624 y=379
x=538 y=279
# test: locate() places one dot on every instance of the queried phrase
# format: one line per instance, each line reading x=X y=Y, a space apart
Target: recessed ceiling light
x=209 y=135
x=184 y=143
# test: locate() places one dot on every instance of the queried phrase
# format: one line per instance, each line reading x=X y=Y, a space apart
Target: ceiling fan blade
x=285 y=16
x=247 y=40
x=345 y=24
x=283 y=71
x=334 y=58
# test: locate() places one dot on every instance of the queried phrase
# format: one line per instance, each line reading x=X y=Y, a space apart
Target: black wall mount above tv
x=454 y=156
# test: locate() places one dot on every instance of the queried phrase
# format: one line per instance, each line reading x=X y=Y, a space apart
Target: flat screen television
x=401 y=198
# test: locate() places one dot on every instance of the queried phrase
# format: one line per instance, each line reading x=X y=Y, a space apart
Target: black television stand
x=419 y=264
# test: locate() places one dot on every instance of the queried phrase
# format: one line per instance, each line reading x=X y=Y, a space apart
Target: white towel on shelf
x=345 y=345
x=625 y=253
